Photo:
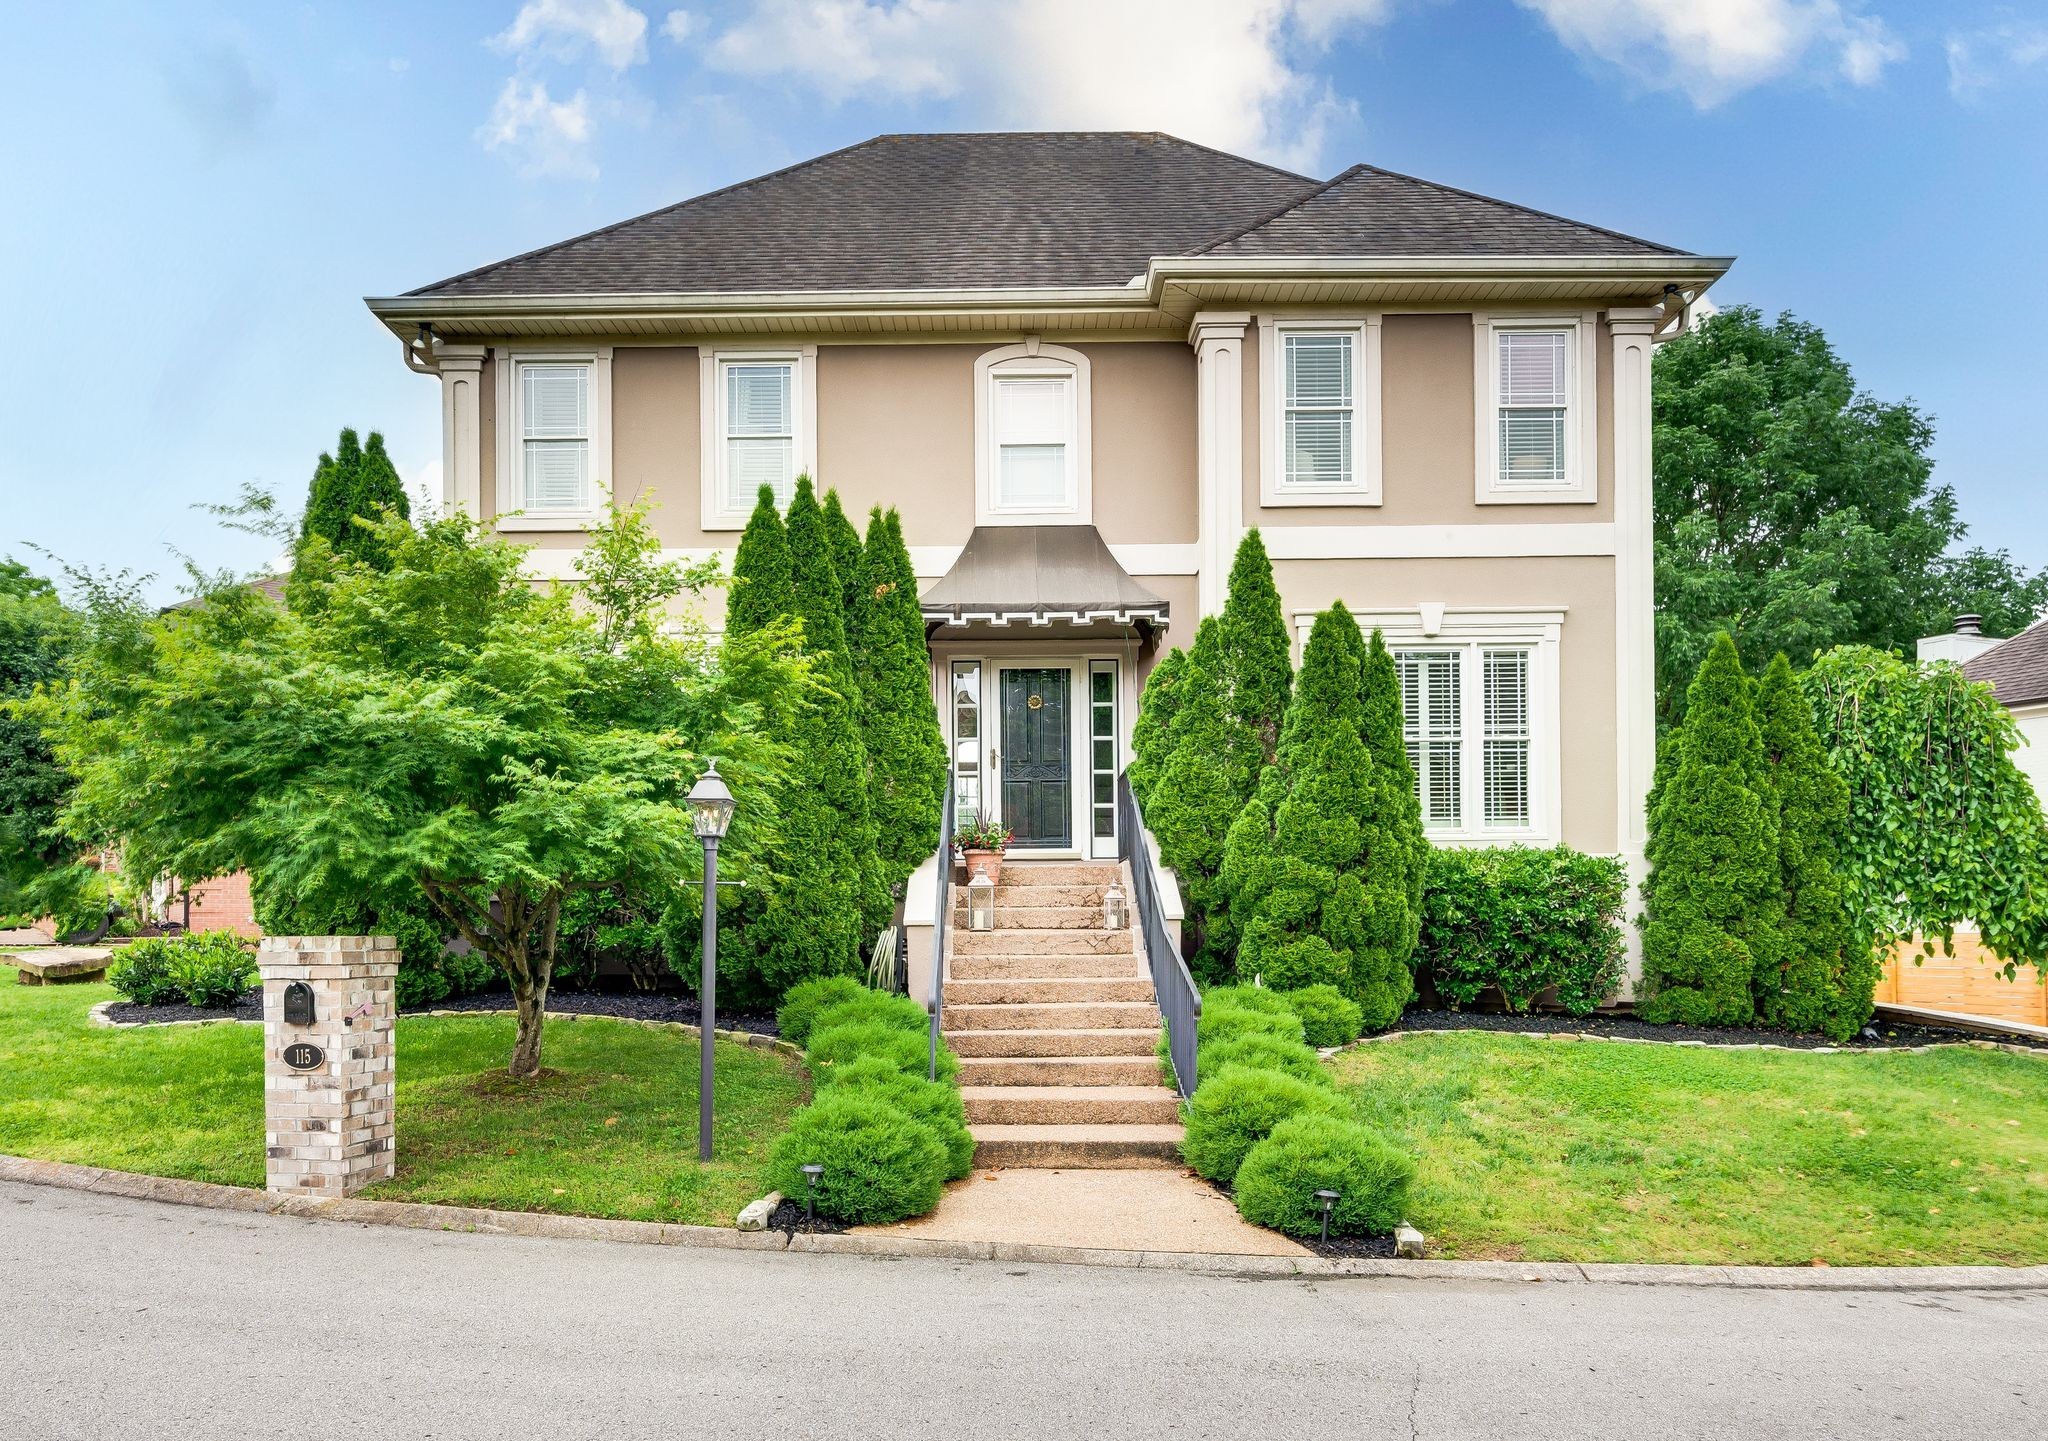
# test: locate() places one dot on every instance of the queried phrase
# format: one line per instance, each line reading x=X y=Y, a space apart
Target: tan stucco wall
x=656 y=446
x=1583 y=587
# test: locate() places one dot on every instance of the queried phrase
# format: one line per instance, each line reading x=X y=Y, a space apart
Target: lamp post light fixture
x=1116 y=908
x=1329 y=1200
x=711 y=807
x=812 y=1174
x=981 y=901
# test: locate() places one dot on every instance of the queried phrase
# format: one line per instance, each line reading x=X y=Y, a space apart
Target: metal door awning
x=1036 y=575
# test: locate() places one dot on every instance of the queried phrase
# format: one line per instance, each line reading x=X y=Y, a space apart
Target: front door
x=1037 y=759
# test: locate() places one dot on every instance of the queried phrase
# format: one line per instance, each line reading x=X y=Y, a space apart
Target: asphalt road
x=124 y=1318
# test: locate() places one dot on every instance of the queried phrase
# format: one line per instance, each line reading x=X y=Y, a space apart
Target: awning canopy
x=1037 y=575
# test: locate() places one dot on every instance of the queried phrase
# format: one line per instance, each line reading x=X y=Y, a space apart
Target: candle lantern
x=981 y=902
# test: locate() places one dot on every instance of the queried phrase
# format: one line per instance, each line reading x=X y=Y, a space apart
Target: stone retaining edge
x=1974 y=1043
x=475 y=1220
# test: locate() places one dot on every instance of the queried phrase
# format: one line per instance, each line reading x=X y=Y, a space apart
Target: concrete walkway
x=1143 y=1210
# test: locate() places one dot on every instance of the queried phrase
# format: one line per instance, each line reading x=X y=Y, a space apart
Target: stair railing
x=942 y=922
x=1180 y=1004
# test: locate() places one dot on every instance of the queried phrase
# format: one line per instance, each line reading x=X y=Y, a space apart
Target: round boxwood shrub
x=882 y=1007
x=1279 y=1178
x=934 y=1103
x=1227 y=1022
x=798 y=1013
x=1328 y=1016
x=1261 y=1053
x=1236 y=1109
x=906 y=1050
x=141 y=971
x=881 y=1163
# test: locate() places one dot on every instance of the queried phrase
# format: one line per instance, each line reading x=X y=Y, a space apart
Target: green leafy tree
x=1797 y=513
x=899 y=719
x=1152 y=732
x=37 y=635
x=1943 y=827
x=1256 y=647
x=846 y=558
x=1826 y=972
x=763 y=590
x=442 y=728
x=1712 y=902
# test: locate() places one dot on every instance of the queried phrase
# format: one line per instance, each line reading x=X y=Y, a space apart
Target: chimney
x=1969 y=625
x=1967 y=640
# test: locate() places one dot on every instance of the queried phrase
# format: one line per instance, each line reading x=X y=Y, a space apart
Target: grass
x=1599 y=1151
x=609 y=1130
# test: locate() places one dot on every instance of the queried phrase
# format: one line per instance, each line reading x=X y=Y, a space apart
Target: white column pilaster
x=1218 y=339
x=461 y=368
x=1635 y=633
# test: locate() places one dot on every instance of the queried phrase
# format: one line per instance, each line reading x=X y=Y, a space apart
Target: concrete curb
x=1975 y=1044
x=477 y=1221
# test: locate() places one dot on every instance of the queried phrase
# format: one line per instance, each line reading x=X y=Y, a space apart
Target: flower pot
x=990 y=861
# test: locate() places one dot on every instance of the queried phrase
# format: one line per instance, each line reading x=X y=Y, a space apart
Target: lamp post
x=711 y=807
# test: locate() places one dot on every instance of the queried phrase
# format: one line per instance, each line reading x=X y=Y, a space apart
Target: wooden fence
x=1971 y=982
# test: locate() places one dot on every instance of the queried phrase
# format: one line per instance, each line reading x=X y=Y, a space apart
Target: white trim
x=803 y=401
x=1366 y=410
x=1581 y=484
x=1432 y=625
x=1218 y=339
x=461 y=371
x=1033 y=358
x=1436 y=542
x=508 y=481
x=1635 y=643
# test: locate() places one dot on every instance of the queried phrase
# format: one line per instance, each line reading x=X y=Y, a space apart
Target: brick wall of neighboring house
x=222 y=903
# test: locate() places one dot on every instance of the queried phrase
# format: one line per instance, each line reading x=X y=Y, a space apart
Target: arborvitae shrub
x=762 y=588
x=1328 y=1016
x=1260 y=1052
x=1401 y=855
x=1256 y=646
x=1237 y=1108
x=1713 y=900
x=899 y=719
x=1152 y=732
x=907 y=1050
x=881 y=1163
x=1279 y=1178
x=934 y=1103
x=1826 y=972
x=800 y=1009
x=846 y=558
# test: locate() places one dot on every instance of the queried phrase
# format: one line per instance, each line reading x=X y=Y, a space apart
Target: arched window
x=1031 y=427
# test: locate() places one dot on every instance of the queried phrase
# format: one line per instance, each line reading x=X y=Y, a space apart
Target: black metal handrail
x=1180 y=1004
x=941 y=922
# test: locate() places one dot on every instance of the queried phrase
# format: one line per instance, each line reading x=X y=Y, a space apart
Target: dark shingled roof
x=1039 y=571
x=2016 y=669
x=941 y=212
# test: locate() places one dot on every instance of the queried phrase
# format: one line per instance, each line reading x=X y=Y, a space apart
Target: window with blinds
x=760 y=431
x=554 y=436
x=1317 y=441
x=1533 y=406
x=1431 y=706
x=1033 y=419
x=1466 y=713
x=1505 y=688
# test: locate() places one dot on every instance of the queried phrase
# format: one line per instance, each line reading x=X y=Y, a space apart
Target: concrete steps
x=1152 y=1105
x=1080 y=1070
x=1077 y=1147
x=1037 y=918
x=1041 y=941
x=1037 y=1044
x=1096 y=874
x=980 y=967
x=1052 y=1016
x=1043 y=990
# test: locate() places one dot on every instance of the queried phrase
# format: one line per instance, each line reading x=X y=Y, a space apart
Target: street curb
x=477 y=1221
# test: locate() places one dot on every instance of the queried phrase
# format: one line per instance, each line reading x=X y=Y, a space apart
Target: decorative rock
x=755 y=1216
x=59 y=965
x=1408 y=1242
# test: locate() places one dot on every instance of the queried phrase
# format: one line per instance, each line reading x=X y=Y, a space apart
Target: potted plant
x=982 y=839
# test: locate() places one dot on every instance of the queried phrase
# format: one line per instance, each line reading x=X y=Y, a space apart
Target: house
x=1083 y=365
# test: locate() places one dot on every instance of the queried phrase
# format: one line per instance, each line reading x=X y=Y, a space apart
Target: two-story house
x=1082 y=365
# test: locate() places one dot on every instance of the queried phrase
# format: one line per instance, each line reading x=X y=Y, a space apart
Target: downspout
x=419 y=354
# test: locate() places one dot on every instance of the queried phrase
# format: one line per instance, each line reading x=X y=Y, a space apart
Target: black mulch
x=1880 y=1036
x=1351 y=1248
x=630 y=1005
x=789 y=1218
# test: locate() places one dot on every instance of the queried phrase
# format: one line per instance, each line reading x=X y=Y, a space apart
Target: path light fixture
x=711 y=807
x=812 y=1174
x=1116 y=908
x=981 y=901
x=1329 y=1200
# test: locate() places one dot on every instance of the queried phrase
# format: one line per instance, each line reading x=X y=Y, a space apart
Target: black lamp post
x=1328 y=1199
x=711 y=807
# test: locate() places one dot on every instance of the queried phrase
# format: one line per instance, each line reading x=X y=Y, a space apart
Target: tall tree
x=899 y=719
x=1712 y=902
x=1152 y=732
x=37 y=635
x=377 y=489
x=763 y=590
x=1797 y=513
x=846 y=558
x=1826 y=972
x=1256 y=646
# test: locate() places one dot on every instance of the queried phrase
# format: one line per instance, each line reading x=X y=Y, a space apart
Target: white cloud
x=1228 y=73
x=423 y=487
x=1713 y=49
x=546 y=137
x=1983 y=60
x=680 y=25
x=565 y=29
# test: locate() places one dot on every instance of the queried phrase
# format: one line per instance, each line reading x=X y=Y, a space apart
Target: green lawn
x=611 y=1130
x=1599 y=1151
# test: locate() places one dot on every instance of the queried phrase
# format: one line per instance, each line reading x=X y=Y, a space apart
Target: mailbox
x=298 y=1004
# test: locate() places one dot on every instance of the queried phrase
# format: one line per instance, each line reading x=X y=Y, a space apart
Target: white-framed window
x=553 y=468
x=1479 y=708
x=1031 y=423
x=1538 y=408
x=760 y=411
x=1319 y=383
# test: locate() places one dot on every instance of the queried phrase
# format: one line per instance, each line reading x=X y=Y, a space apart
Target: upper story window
x=1031 y=413
x=1319 y=379
x=1537 y=411
x=553 y=438
x=760 y=413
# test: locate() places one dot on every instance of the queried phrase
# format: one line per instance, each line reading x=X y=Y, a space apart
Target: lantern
x=1116 y=909
x=981 y=901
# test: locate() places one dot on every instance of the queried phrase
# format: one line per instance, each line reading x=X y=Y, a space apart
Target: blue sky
x=200 y=195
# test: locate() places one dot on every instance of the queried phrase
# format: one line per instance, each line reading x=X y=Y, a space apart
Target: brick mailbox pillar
x=329 y=1008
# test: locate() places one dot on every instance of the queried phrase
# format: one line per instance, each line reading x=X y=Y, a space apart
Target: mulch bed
x=1879 y=1036
x=789 y=1219
x=1351 y=1248
x=628 y=1005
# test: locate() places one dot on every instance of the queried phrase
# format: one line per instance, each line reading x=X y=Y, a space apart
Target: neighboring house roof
x=998 y=211
x=270 y=587
x=2015 y=669
x=1037 y=574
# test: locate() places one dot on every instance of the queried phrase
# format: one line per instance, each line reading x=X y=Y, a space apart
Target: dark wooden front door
x=1038 y=768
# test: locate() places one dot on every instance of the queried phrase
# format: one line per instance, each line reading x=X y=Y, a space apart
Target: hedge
x=881 y=1163
x=1237 y=1108
x=1277 y=1182
x=800 y=1008
x=211 y=968
x=1328 y=1016
x=1524 y=920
